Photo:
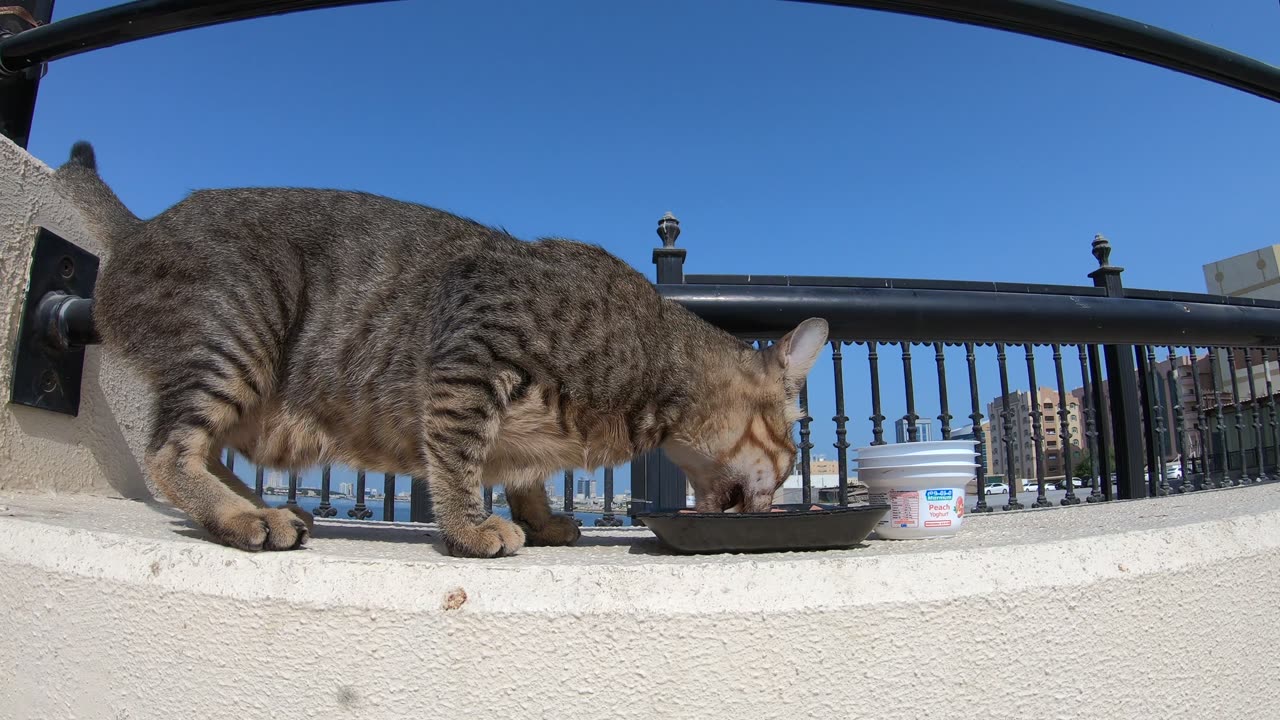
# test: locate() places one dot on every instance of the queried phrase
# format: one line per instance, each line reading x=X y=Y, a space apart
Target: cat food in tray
x=783 y=528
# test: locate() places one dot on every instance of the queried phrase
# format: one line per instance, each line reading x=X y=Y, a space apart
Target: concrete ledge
x=1123 y=610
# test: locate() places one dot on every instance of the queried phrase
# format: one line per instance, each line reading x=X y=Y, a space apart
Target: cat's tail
x=78 y=182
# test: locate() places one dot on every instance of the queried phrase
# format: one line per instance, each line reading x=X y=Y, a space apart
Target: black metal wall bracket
x=57 y=324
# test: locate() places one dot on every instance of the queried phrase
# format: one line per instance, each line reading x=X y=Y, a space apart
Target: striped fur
x=306 y=326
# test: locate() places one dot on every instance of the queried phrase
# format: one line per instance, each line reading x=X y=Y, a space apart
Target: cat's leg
x=460 y=427
x=229 y=478
x=531 y=509
x=178 y=461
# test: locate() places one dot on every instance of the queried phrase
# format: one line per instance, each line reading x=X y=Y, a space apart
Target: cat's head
x=742 y=449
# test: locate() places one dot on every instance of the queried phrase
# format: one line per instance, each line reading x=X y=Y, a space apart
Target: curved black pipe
x=1095 y=30
x=136 y=21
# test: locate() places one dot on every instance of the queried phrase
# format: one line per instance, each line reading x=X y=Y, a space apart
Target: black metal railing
x=1174 y=390
x=360 y=499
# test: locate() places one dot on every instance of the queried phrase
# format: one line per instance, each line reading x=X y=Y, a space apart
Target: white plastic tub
x=939 y=471
x=920 y=449
x=931 y=461
x=922 y=504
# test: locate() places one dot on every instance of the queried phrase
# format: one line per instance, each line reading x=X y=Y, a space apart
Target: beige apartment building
x=1060 y=454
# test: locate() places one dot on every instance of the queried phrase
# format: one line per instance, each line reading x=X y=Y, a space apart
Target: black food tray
x=799 y=528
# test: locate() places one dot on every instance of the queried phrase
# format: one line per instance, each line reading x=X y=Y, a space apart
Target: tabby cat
x=303 y=326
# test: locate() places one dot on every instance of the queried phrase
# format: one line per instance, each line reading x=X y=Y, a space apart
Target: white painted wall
x=98 y=451
x=118 y=610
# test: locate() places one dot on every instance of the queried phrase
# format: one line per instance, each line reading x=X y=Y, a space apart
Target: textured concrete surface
x=1148 y=609
x=96 y=452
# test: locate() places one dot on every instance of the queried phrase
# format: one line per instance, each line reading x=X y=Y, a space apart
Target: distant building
x=347 y=489
x=1059 y=455
x=924 y=430
x=1255 y=274
x=823 y=488
x=818 y=465
x=966 y=432
x=275 y=480
x=822 y=466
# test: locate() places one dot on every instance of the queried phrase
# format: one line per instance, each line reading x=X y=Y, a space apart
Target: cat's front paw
x=261 y=529
x=558 y=530
x=495 y=537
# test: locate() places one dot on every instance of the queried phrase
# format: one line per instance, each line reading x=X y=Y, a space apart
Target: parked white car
x=997 y=488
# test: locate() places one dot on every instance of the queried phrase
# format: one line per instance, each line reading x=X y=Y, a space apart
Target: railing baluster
x=1183 y=444
x=975 y=416
x=609 y=519
x=1255 y=417
x=877 y=418
x=913 y=431
x=1064 y=429
x=1101 y=437
x=1161 y=472
x=324 y=509
x=1006 y=416
x=231 y=460
x=389 y=497
x=1202 y=418
x=1237 y=418
x=1271 y=414
x=841 y=420
x=1037 y=429
x=1148 y=434
x=1219 y=423
x=360 y=512
x=258 y=474
x=806 y=479
x=488 y=499
x=293 y=488
x=1088 y=421
x=420 y=508
x=568 y=492
x=944 y=414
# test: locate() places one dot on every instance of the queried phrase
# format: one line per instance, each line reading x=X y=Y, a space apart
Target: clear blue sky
x=788 y=138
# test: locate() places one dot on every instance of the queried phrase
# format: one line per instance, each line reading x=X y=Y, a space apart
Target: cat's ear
x=798 y=350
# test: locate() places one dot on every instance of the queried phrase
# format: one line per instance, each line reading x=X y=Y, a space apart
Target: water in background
x=400 y=509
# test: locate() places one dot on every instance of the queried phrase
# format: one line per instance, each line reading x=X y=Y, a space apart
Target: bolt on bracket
x=56 y=326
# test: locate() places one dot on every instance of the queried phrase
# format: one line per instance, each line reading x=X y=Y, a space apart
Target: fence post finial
x=669 y=259
x=1102 y=250
x=668 y=230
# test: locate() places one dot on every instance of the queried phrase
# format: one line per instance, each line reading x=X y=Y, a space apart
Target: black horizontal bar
x=905 y=283
x=1199 y=298
x=891 y=314
x=976 y=285
x=136 y=21
x=1095 y=30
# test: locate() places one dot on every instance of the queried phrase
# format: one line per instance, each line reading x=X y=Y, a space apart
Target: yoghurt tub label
x=904 y=508
x=933 y=508
x=942 y=507
x=880 y=498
